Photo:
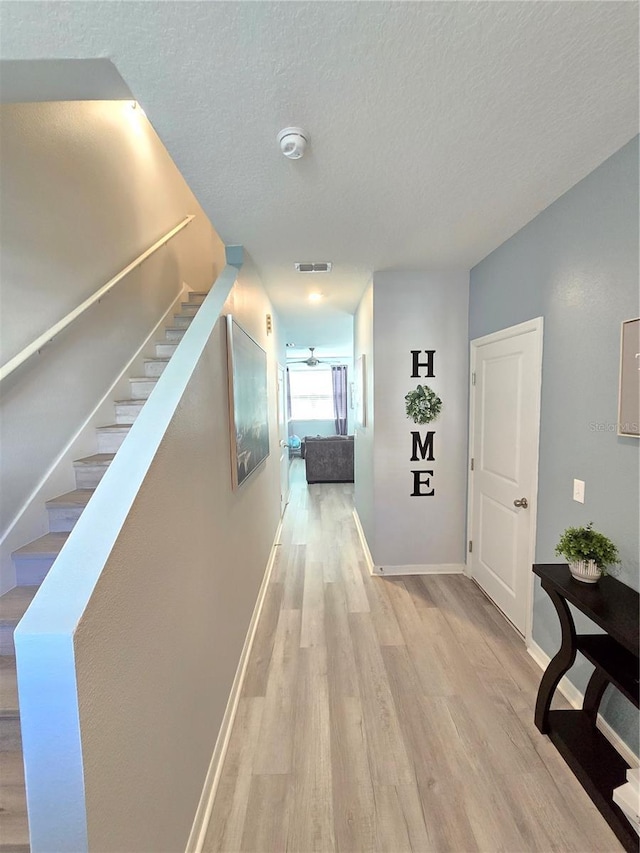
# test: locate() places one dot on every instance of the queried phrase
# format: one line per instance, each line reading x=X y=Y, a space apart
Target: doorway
x=506 y=371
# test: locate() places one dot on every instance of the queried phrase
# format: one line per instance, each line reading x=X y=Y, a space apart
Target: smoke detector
x=293 y=142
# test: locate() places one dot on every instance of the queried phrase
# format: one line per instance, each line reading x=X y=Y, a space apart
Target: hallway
x=387 y=714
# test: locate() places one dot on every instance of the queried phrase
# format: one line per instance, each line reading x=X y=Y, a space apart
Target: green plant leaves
x=585 y=543
x=422 y=405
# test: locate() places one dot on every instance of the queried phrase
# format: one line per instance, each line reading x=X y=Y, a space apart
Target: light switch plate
x=578 y=491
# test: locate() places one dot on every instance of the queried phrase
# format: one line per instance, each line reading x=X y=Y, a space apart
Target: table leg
x=561 y=663
x=593 y=694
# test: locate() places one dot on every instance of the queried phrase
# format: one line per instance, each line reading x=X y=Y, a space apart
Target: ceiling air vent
x=313 y=267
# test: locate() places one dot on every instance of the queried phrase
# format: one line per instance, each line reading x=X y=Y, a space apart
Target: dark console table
x=613 y=607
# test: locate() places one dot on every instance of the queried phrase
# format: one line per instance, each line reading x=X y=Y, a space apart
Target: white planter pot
x=586 y=571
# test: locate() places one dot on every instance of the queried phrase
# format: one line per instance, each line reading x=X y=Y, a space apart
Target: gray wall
x=420 y=310
x=576 y=264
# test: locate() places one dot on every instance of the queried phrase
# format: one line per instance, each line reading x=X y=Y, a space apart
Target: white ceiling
x=438 y=129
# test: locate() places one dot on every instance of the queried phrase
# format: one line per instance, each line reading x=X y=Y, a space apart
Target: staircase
x=33 y=561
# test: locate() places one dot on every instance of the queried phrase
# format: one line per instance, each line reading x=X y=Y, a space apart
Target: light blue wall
x=576 y=264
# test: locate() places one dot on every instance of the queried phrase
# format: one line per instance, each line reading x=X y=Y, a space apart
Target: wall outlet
x=578 y=491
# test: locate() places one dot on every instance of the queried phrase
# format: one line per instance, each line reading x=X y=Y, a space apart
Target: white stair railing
x=50 y=334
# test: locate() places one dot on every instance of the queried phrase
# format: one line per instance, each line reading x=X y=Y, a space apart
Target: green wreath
x=423 y=405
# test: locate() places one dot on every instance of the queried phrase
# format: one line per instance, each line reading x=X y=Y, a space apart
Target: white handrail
x=50 y=334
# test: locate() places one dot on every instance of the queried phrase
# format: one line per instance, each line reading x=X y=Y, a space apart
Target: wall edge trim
x=202 y=817
x=575 y=697
x=363 y=542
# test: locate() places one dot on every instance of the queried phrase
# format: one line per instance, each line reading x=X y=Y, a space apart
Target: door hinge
x=470 y=546
x=472 y=463
x=473 y=378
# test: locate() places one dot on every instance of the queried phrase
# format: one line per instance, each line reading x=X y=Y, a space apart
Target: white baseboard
x=363 y=542
x=575 y=697
x=205 y=806
x=427 y=569
x=31 y=521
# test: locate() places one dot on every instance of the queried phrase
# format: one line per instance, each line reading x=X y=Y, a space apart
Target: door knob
x=523 y=502
x=284 y=443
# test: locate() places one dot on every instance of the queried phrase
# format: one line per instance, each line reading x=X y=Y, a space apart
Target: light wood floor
x=387 y=714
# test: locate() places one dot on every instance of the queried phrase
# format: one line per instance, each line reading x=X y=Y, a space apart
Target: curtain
x=339 y=384
x=288 y=381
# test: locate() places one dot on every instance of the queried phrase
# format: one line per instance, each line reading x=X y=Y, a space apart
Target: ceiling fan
x=312 y=360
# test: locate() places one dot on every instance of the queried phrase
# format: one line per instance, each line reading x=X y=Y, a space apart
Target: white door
x=283 y=437
x=505 y=425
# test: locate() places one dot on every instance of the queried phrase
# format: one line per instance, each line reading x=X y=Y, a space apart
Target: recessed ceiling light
x=306 y=267
x=315 y=297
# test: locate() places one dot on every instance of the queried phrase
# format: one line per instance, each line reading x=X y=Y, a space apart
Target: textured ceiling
x=438 y=129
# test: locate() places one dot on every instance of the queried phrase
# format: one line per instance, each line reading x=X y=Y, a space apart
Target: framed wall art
x=629 y=397
x=248 y=407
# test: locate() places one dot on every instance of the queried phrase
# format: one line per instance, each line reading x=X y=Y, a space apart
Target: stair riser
x=141 y=390
x=154 y=368
x=181 y=322
x=197 y=298
x=63 y=519
x=165 y=350
x=88 y=476
x=110 y=442
x=174 y=334
x=10 y=739
x=126 y=413
x=33 y=571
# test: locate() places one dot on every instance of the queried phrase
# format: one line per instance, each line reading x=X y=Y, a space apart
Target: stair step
x=198 y=296
x=142 y=386
x=155 y=366
x=13 y=605
x=182 y=321
x=190 y=308
x=33 y=561
x=8 y=685
x=14 y=830
x=164 y=348
x=91 y=469
x=111 y=436
x=172 y=333
x=66 y=509
x=127 y=411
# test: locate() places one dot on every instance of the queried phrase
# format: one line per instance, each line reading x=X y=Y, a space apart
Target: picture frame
x=629 y=389
x=248 y=403
x=361 y=390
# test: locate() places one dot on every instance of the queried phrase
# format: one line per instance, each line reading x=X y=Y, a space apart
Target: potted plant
x=587 y=552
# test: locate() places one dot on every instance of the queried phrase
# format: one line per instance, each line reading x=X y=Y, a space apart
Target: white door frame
x=536 y=325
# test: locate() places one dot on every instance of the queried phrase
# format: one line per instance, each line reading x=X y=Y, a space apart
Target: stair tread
x=46 y=546
x=78 y=497
x=96 y=459
x=132 y=401
x=143 y=378
x=8 y=685
x=161 y=358
x=114 y=428
x=14 y=603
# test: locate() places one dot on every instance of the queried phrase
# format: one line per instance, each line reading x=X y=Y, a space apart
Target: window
x=311 y=394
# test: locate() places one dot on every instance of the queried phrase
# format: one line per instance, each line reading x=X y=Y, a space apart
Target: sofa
x=329 y=459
